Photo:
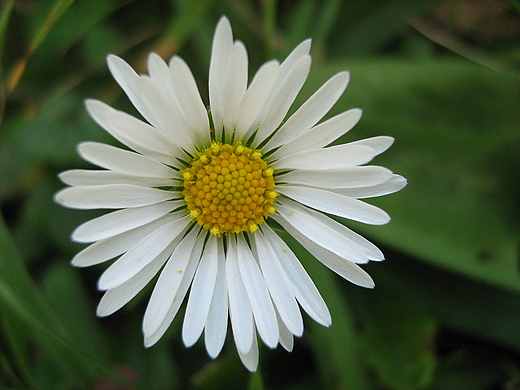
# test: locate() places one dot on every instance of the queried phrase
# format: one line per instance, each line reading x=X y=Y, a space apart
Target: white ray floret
x=112 y=196
x=321 y=135
x=332 y=203
x=311 y=111
x=349 y=177
x=202 y=289
x=240 y=310
x=122 y=161
x=150 y=338
x=335 y=157
x=144 y=252
x=279 y=285
x=120 y=221
x=217 y=320
x=87 y=178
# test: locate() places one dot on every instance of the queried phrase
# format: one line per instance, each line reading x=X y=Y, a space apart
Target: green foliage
x=445 y=310
x=28 y=319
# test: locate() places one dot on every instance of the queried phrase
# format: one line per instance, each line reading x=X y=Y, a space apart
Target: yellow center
x=229 y=189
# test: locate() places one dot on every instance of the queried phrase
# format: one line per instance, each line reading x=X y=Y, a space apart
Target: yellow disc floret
x=229 y=189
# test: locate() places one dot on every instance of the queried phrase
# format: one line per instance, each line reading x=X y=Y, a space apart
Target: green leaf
x=269 y=25
x=398 y=340
x=23 y=305
x=364 y=28
x=475 y=368
x=72 y=26
x=55 y=13
x=187 y=21
x=457 y=302
x=53 y=133
x=298 y=23
x=64 y=290
x=324 y=21
x=5 y=14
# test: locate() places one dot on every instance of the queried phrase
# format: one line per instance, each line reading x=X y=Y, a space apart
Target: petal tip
x=101 y=312
x=112 y=57
x=149 y=342
x=59 y=198
x=223 y=27
x=114 y=61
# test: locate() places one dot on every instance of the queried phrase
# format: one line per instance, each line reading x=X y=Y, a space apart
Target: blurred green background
x=442 y=77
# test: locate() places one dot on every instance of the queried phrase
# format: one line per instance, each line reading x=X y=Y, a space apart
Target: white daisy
x=199 y=194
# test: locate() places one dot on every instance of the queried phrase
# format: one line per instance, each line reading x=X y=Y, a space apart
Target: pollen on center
x=229 y=189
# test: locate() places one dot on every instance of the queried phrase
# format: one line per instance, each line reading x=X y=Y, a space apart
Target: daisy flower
x=202 y=192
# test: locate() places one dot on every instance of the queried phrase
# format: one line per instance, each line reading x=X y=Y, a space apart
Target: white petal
x=111 y=196
x=120 y=221
x=290 y=72
x=169 y=120
x=218 y=69
x=394 y=184
x=311 y=111
x=216 y=323
x=278 y=284
x=88 y=177
x=303 y=287
x=280 y=101
x=332 y=203
x=235 y=87
x=134 y=133
x=158 y=315
x=160 y=75
x=346 y=269
x=109 y=248
x=334 y=157
x=141 y=254
x=256 y=96
x=380 y=143
x=117 y=297
x=250 y=359
x=286 y=337
x=349 y=177
x=298 y=52
x=127 y=79
x=122 y=161
x=191 y=103
x=322 y=134
x=254 y=283
x=201 y=294
x=370 y=249
x=240 y=311
x=175 y=304
x=292 y=214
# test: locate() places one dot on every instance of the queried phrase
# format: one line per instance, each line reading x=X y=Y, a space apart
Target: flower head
x=198 y=195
